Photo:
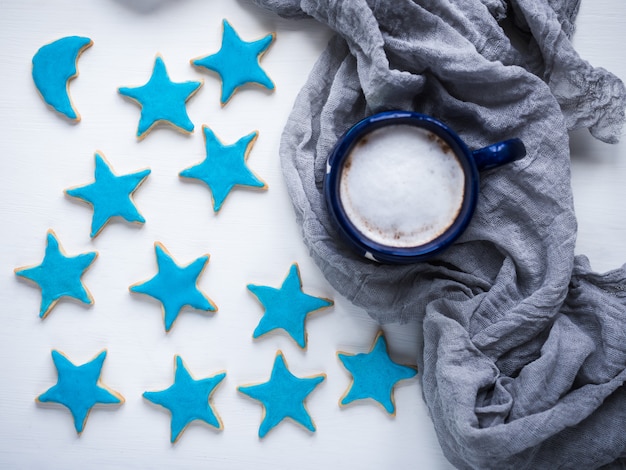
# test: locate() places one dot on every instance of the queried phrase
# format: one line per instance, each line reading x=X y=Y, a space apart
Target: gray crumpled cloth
x=524 y=346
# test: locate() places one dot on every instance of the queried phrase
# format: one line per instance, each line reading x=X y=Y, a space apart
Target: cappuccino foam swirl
x=401 y=186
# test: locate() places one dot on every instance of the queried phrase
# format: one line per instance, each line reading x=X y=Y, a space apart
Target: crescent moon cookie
x=374 y=375
x=237 y=62
x=224 y=167
x=79 y=388
x=110 y=195
x=283 y=396
x=287 y=307
x=175 y=286
x=54 y=66
x=188 y=399
x=162 y=100
x=59 y=275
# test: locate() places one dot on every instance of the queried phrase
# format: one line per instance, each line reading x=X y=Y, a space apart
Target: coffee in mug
x=402 y=186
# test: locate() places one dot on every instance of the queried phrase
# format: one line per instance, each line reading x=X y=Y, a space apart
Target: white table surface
x=254 y=239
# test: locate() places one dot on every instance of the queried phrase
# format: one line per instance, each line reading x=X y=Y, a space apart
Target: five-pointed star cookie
x=374 y=375
x=110 y=195
x=78 y=388
x=237 y=62
x=287 y=307
x=283 y=396
x=224 y=167
x=58 y=275
x=162 y=100
x=175 y=286
x=188 y=399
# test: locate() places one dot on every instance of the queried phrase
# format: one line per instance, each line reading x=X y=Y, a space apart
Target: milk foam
x=401 y=186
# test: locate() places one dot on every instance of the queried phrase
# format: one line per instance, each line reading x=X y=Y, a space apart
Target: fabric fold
x=523 y=362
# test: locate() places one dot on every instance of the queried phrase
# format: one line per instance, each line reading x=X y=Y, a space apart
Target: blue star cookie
x=224 y=167
x=374 y=375
x=175 y=286
x=78 y=388
x=110 y=195
x=187 y=399
x=162 y=100
x=237 y=62
x=283 y=396
x=58 y=275
x=287 y=307
x=54 y=66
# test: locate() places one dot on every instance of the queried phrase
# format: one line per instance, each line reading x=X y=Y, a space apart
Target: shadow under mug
x=470 y=163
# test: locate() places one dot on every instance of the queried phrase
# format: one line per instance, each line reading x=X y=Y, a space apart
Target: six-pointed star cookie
x=58 y=275
x=78 y=388
x=162 y=100
x=110 y=195
x=287 y=308
x=282 y=396
x=188 y=399
x=175 y=286
x=224 y=167
x=237 y=62
x=374 y=375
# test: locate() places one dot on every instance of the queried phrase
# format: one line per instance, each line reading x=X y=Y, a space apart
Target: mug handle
x=499 y=153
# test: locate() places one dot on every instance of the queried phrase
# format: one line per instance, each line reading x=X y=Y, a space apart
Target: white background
x=254 y=239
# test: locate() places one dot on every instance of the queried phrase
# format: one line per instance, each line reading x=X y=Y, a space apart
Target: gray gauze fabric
x=524 y=346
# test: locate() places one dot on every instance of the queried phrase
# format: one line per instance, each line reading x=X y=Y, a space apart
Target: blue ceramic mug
x=402 y=186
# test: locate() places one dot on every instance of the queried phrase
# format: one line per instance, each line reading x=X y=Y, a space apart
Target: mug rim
x=384 y=253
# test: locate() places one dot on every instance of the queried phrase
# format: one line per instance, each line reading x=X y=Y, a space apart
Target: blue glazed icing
x=374 y=375
x=175 y=286
x=78 y=388
x=54 y=65
x=287 y=307
x=110 y=195
x=237 y=62
x=224 y=167
x=283 y=396
x=162 y=100
x=187 y=399
x=58 y=275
